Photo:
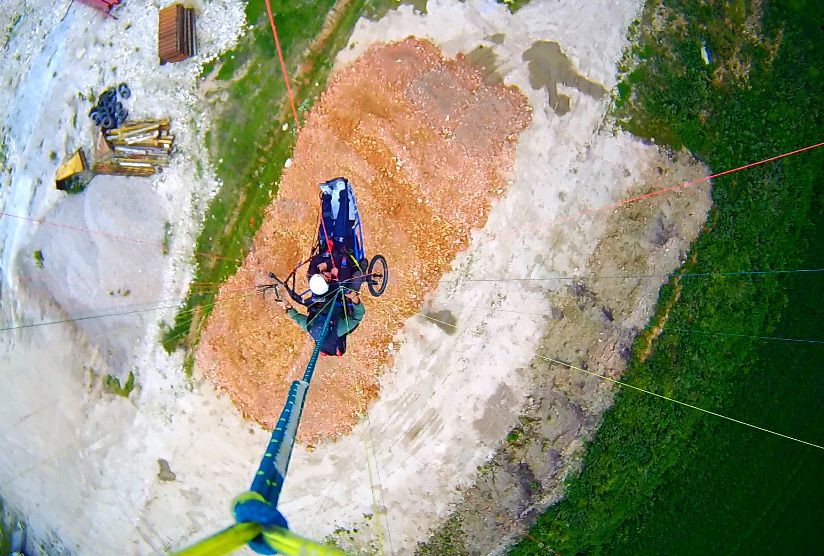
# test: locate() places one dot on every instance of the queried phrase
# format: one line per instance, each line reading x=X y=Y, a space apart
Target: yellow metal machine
x=74 y=167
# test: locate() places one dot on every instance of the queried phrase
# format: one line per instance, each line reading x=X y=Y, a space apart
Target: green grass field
x=664 y=479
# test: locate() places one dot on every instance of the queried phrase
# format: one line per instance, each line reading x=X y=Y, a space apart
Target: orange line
x=282 y=64
x=684 y=185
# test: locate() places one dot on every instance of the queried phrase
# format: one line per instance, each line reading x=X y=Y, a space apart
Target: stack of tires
x=109 y=112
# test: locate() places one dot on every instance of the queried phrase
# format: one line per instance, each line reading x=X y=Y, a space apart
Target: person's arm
x=347 y=323
x=299 y=318
x=319 y=266
x=314 y=265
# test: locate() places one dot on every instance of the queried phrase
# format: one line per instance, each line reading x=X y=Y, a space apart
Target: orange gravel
x=427 y=146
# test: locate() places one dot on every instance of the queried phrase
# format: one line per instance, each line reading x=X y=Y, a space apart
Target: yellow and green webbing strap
x=282 y=540
x=259 y=523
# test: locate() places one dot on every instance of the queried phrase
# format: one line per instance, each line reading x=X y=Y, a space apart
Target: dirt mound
x=428 y=145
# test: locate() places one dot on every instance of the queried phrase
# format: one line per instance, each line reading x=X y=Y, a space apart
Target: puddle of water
x=549 y=66
x=497 y=38
x=484 y=58
x=444 y=319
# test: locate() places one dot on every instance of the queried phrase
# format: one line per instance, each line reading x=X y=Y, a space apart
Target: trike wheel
x=378 y=275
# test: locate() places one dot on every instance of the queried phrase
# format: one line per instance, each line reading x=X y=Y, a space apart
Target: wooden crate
x=176 y=33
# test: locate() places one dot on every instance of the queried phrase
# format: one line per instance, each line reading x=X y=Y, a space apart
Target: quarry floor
x=478 y=152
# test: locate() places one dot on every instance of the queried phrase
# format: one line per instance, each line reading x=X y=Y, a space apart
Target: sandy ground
x=427 y=146
x=450 y=398
x=590 y=322
x=82 y=465
x=74 y=54
x=79 y=463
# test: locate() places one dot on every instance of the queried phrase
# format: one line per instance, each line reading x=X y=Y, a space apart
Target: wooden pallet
x=176 y=34
x=138 y=148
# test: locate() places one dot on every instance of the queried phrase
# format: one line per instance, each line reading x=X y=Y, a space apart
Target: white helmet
x=318 y=285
